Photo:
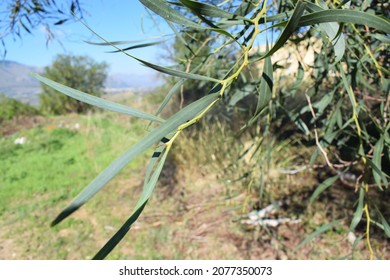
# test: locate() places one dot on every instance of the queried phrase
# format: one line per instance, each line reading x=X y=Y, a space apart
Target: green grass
x=60 y=160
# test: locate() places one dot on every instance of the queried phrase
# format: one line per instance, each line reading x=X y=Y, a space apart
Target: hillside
x=16 y=82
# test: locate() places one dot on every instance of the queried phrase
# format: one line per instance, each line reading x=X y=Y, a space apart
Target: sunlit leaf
x=161 y=8
x=96 y=101
x=291 y=26
x=153 y=137
x=332 y=31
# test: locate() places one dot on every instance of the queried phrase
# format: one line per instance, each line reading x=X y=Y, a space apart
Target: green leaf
x=384 y=39
x=324 y=102
x=245 y=8
x=161 y=8
x=96 y=101
x=331 y=29
x=114 y=42
x=266 y=85
x=179 y=36
x=317 y=232
x=385 y=224
x=176 y=73
x=118 y=236
x=322 y=187
x=241 y=93
x=265 y=89
x=291 y=26
x=110 y=245
x=144 y=45
x=174 y=90
x=169 y=95
x=161 y=69
x=208 y=10
x=379 y=172
x=346 y=16
x=341 y=16
x=359 y=211
x=377 y=160
x=156 y=135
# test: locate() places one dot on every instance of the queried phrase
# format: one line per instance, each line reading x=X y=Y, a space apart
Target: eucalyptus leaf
x=96 y=101
x=156 y=135
x=359 y=211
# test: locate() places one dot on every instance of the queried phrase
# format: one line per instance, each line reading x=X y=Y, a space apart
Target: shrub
x=11 y=108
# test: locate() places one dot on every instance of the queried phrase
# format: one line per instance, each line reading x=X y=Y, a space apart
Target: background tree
x=79 y=72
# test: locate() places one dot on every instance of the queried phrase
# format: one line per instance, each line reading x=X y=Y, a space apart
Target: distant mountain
x=16 y=82
x=118 y=81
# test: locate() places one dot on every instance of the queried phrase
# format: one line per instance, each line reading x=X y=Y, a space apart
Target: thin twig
x=188 y=68
x=316 y=135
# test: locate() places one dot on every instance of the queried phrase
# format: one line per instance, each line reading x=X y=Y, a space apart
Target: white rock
x=351 y=238
x=20 y=141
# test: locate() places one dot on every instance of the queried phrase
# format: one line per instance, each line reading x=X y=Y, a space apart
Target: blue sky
x=115 y=20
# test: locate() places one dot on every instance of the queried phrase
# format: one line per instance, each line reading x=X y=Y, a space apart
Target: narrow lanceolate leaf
x=377 y=160
x=322 y=187
x=118 y=236
x=379 y=172
x=177 y=73
x=331 y=29
x=161 y=8
x=208 y=10
x=316 y=233
x=138 y=46
x=179 y=36
x=169 y=95
x=245 y=8
x=266 y=85
x=359 y=211
x=96 y=101
x=110 y=245
x=264 y=92
x=239 y=94
x=114 y=43
x=346 y=16
x=291 y=26
x=156 y=135
x=341 y=16
x=385 y=224
x=159 y=68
